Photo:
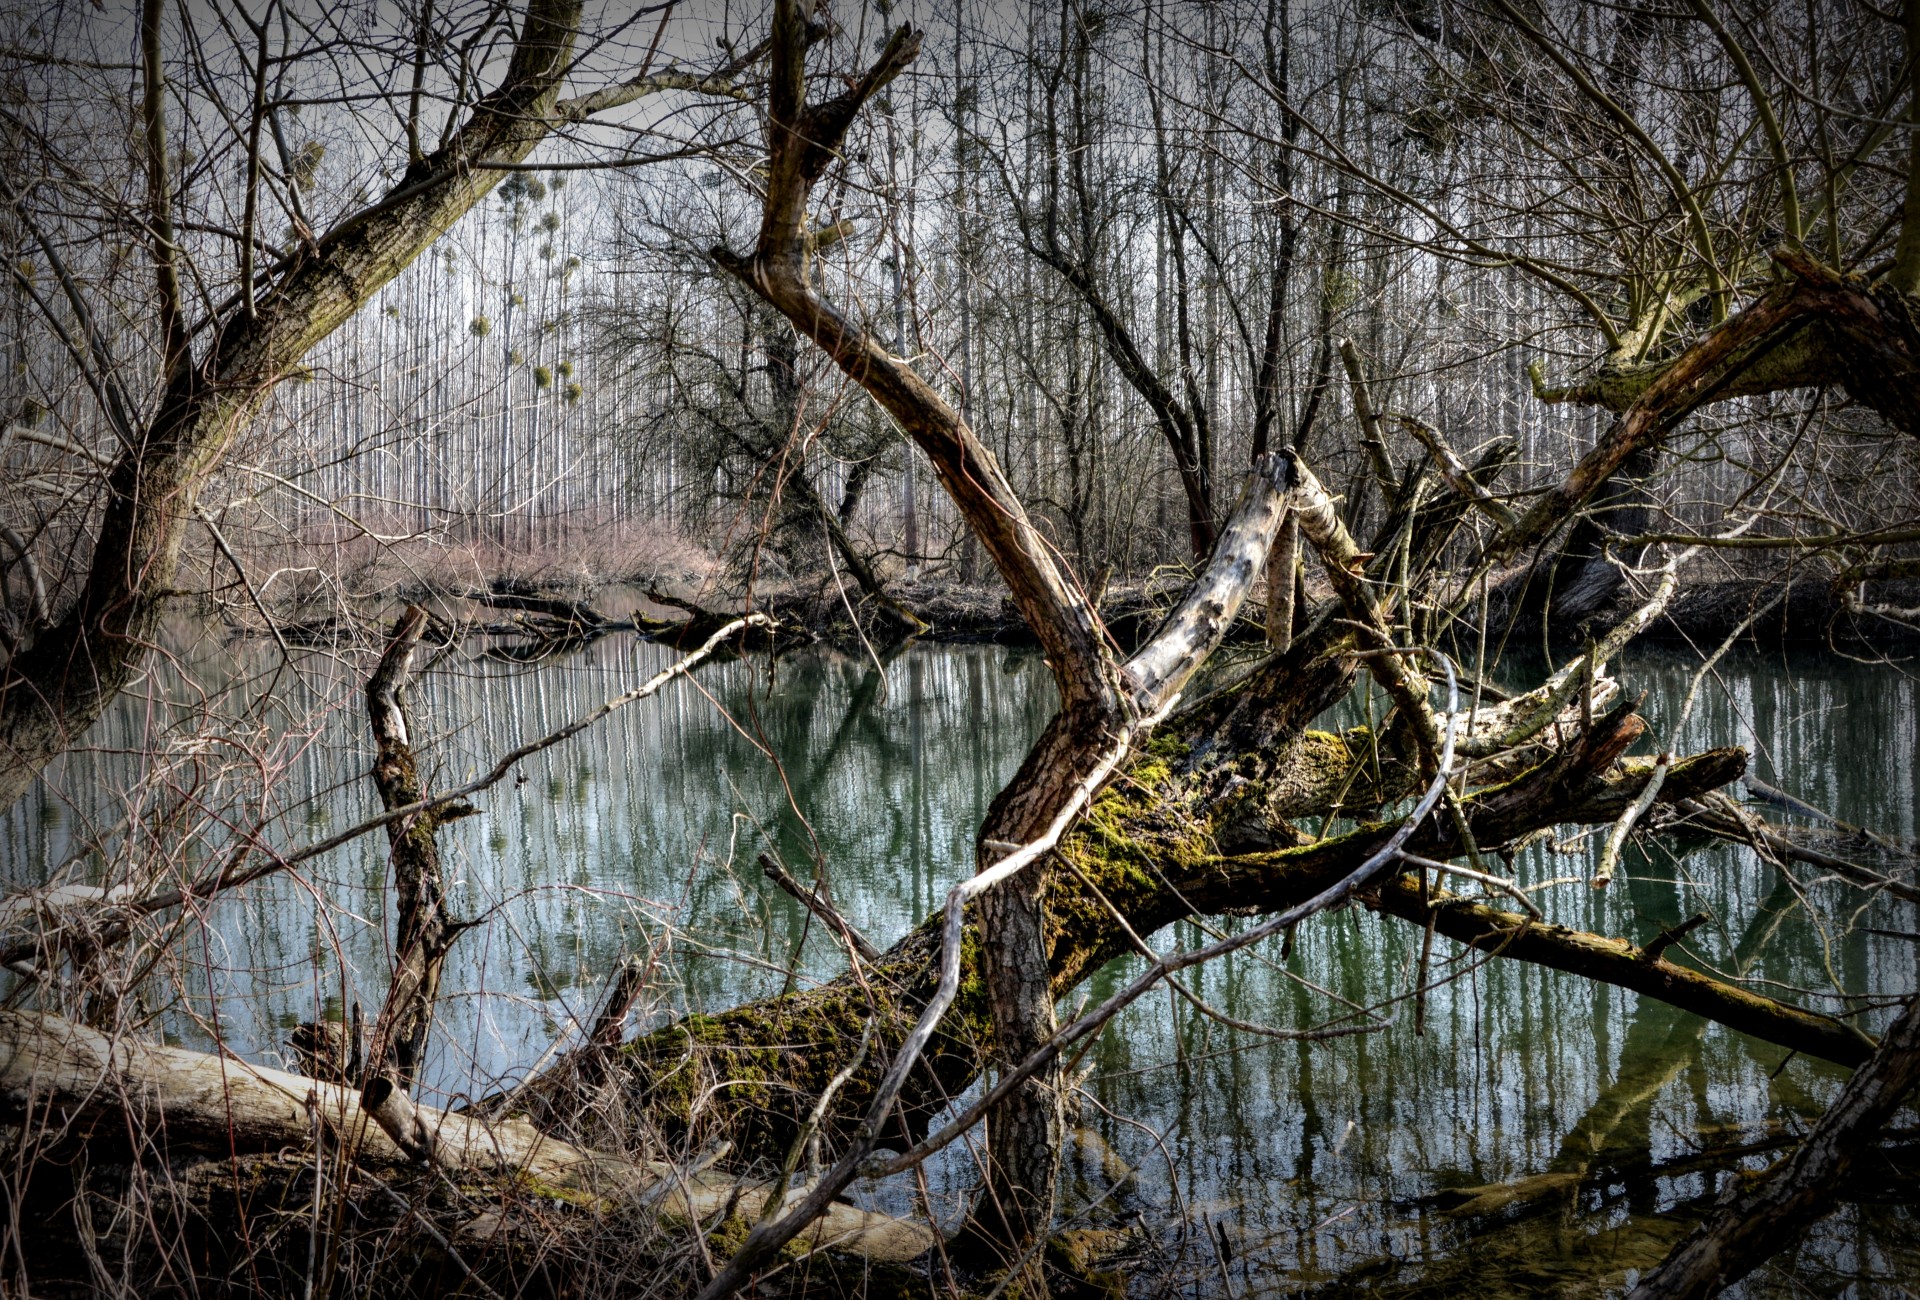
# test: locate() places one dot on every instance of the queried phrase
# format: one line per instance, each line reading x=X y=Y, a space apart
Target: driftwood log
x=87 y=1084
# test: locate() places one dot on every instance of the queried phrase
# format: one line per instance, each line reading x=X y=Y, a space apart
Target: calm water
x=1264 y=1166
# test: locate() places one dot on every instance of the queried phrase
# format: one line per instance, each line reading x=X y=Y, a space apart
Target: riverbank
x=536 y=616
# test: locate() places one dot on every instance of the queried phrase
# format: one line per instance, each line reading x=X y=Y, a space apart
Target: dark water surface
x=1264 y=1165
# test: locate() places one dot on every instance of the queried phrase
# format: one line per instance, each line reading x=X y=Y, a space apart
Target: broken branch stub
x=424 y=932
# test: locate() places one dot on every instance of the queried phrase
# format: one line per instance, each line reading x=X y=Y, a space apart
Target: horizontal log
x=746 y=1072
x=190 y=1103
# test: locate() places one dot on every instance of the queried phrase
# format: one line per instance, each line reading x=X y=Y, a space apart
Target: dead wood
x=702 y=622
x=1768 y=1214
x=751 y=1068
x=424 y=931
x=576 y=614
x=81 y=1083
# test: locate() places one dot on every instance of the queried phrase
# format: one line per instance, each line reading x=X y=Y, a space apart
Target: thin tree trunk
x=423 y=931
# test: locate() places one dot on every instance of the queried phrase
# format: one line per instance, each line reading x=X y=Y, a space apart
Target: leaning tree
x=1136 y=808
x=241 y=278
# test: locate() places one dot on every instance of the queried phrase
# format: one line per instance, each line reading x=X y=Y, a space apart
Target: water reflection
x=1306 y=1164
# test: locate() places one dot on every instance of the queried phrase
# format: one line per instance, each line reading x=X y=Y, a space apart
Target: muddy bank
x=1806 y=612
x=535 y=619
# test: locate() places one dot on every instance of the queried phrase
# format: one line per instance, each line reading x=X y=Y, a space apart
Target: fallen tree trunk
x=505 y=594
x=753 y=1073
x=83 y=1084
x=748 y=1072
x=1749 y=1228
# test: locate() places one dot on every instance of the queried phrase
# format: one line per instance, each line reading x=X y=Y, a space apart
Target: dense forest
x=1059 y=578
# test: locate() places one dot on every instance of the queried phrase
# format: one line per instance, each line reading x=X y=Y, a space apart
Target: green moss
x=530 y=1185
x=972 y=1013
x=1168 y=749
x=729 y=1235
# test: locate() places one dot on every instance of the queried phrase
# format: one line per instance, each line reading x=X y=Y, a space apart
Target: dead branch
x=424 y=932
x=187 y=1102
x=1752 y=1225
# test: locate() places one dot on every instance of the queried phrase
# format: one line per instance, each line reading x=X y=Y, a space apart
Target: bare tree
x=224 y=334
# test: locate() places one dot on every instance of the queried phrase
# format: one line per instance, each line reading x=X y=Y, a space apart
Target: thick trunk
x=1024 y=1136
x=803 y=141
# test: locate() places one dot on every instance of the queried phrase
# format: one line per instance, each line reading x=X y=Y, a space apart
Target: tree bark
x=1752 y=1225
x=423 y=931
x=1818 y=327
x=803 y=140
x=188 y=1103
x=746 y=1073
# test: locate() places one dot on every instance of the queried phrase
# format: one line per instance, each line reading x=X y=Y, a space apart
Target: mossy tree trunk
x=1147 y=850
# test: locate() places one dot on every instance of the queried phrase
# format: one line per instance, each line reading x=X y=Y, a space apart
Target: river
x=1264 y=1165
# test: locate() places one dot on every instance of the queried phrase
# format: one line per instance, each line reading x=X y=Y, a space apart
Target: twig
x=1617 y=836
x=820 y=907
x=1672 y=935
x=1507 y=887
x=240 y=570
